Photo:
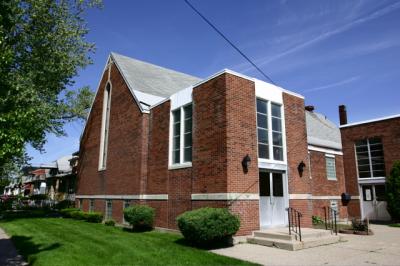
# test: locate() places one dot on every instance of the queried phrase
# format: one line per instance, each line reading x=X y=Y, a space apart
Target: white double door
x=374 y=202
x=273 y=199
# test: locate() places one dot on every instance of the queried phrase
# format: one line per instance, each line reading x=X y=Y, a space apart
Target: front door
x=374 y=202
x=272 y=199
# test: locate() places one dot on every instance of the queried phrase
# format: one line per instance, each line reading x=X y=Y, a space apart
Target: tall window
x=105 y=126
x=91 y=205
x=108 y=210
x=330 y=167
x=265 y=134
x=370 y=160
x=127 y=203
x=182 y=135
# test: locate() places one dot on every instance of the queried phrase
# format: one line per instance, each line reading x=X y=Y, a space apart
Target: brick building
x=370 y=149
x=176 y=142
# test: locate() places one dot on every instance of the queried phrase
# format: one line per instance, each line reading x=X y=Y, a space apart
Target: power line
x=226 y=39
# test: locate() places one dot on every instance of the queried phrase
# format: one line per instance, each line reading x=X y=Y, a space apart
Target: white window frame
x=270 y=140
x=330 y=156
x=106 y=217
x=105 y=126
x=91 y=205
x=182 y=163
x=123 y=208
x=372 y=177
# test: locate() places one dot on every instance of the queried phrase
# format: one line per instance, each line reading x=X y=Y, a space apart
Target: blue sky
x=333 y=52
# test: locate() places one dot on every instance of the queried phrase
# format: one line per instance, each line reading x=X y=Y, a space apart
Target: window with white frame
x=370 y=159
x=127 y=203
x=105 y=127
x=108 y=210
x=330 y=167
x=269 y=127
x=91 y=205
x=182 y=135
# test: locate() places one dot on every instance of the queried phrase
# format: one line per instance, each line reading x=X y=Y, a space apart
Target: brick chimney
x=342 y=115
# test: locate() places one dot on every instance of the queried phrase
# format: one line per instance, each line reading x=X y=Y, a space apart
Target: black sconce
x=300 y=168
x=246 y=163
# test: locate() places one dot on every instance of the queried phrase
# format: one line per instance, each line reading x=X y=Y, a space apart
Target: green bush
x=317 y=220
x=94 y=217
x=78 y=215
x=109 y=222
x=393 y=192
x=39 y=197
x=67 y=212
x=208 y=225
x=64 y=204
x=140 y=217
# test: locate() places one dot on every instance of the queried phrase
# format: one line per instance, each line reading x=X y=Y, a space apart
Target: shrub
x=38 y=197
x=393 y=192
x=208 y=225
x=67 y=212
x=78 y=215
x=94 y=217
x=359 y=225
x=64 y=204
x=317 y=220
x=140 y=217
x=109 y=223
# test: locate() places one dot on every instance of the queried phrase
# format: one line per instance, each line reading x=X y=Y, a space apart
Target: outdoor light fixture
x=300 y=168
x=246 y=163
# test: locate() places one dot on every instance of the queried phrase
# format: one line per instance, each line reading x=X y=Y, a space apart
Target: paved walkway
x=383 y=248
x=8 y=254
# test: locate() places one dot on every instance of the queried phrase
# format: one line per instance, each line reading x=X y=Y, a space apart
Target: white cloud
x=332 y=85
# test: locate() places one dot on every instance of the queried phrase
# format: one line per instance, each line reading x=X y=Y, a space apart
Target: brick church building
x=176 y=142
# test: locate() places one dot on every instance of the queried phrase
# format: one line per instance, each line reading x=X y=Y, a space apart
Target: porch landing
x=280 y=238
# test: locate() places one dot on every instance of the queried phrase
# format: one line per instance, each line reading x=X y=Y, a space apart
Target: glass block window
x=176 y=136
x=187 y=140
x=370 y=159
x=108 y=210
x=276 y=118
x=330 y=167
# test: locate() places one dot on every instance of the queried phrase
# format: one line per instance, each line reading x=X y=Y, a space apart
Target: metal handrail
x=294 y=219
x=330 y=222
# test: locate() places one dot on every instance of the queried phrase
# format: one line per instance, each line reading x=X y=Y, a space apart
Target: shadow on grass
x=27 y=214
x=136 y=230
x=211 y=245
x=28 y=249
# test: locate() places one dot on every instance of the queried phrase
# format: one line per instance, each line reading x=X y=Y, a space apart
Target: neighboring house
x=370 y=149
x=176 y=142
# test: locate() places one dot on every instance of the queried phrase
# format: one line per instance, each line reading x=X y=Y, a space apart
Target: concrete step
x=281 y=239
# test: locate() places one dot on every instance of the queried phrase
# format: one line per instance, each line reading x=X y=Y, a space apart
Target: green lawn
x=395 y=225
x=58 y=241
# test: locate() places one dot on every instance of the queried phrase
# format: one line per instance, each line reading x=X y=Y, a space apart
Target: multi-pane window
x=127 y=203
x=91 y=205
x=81 y=204
x=105 y=126
x=108 y=210
x=370 y=160
x=330 y=167
x=182 y=135
x=176 y=136
x=276 y=117
x=264 y=122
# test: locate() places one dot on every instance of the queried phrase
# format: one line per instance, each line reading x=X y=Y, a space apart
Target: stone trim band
x=126 y=197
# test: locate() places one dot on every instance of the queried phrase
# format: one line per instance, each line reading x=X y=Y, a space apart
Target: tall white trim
x=315 y=197
x=126 y=197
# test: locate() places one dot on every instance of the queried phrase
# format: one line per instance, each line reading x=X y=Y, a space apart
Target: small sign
x=368 y=195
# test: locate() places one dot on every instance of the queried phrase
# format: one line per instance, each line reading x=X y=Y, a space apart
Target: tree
x=42 y=46
x=393 y=192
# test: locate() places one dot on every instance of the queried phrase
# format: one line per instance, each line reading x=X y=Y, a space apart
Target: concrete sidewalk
x=383 y=248
x=8 y=253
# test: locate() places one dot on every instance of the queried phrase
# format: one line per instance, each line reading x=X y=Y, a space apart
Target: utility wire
x=226 y=39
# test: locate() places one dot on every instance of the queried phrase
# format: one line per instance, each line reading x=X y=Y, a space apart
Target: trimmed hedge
x=91 y=217
x=208 y=225
x=109 y=223
x=140 y=217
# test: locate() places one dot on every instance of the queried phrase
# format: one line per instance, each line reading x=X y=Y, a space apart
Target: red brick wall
x=297 y=151
x=126 y=143
x=389 y=131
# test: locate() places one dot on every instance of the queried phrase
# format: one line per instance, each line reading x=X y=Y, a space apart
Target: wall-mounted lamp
x=300 y=168
x=246 y=163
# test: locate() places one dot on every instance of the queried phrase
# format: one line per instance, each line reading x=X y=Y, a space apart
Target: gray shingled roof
x=152 y=79
x=322 y=132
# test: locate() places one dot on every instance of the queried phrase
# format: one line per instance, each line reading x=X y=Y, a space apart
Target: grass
x=394 y=225
x=58 y=241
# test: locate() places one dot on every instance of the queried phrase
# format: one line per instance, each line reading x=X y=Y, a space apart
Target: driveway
x=383 y=248
x=8 y=254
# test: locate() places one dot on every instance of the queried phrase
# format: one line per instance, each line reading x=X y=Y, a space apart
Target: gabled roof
x=322 y=132
x=149 y=83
